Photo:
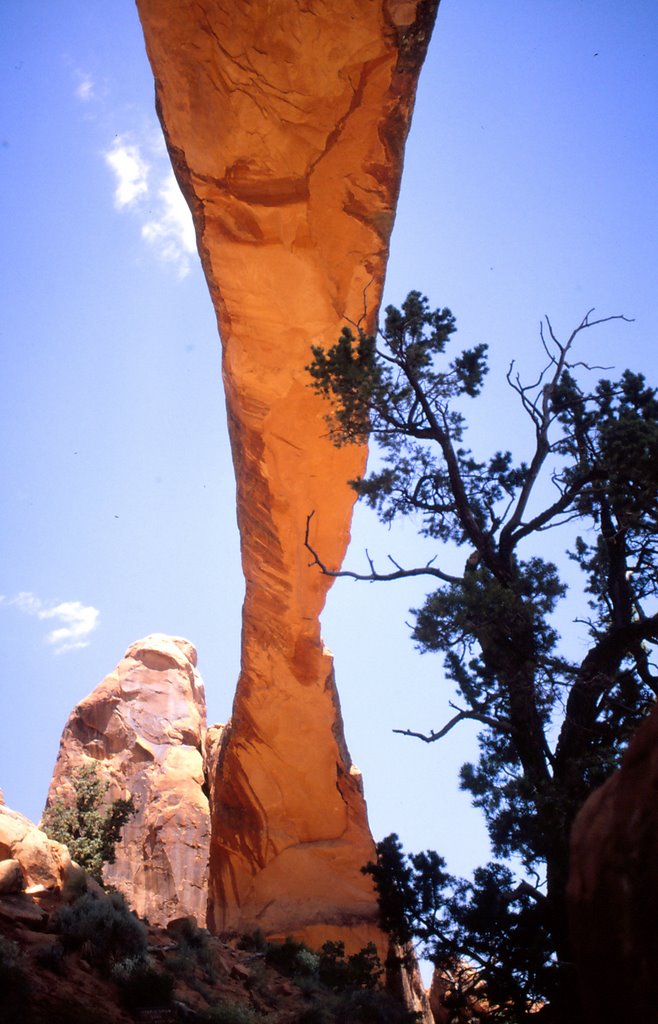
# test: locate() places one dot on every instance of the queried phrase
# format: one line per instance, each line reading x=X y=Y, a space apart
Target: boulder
x=22 y=909
x=43 y=862
x=12 y=878
x=613 y=887
x=144 y=726
x=286 y=126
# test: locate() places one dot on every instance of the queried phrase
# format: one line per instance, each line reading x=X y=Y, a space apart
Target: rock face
x=41 y=862
x=12 y=878
x=286 y=126
x=613 y=887
x=145 y=727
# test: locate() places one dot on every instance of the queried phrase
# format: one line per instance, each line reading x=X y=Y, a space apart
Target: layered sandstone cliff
x=613 y=888
x=144 y=725
x=286 y=126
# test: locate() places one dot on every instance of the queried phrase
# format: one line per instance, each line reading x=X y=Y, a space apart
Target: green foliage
x=362 y=970
x=90 y=830
x=340 y=989
x=103 y=927
x=360 y=1006
x=492 y=922
x=290 y=958
x=141 y=984
x=253 y=942
x=331 y=967
x=552 y=726
x=229 y=1012
x=306 y=963
x=194 y=947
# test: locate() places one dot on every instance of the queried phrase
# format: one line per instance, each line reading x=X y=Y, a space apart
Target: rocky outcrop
x=12 y=879
x=613 y=888
x=286 y=126
x=144 y=725
x=41 y=862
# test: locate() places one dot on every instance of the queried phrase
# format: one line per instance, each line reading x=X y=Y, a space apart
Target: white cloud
x=131 y=171
x=85 y=90
x=78 y=621
x=166 y=222
x=171 y=231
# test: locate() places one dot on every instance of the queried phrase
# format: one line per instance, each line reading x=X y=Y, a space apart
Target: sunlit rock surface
x=144 y=725
x=613 y=888
x=43 y=863
x=286 y=126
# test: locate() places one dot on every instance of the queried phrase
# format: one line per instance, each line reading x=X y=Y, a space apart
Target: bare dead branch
x=373 y=576
x=541 y=414
x=364 y=315
x=501 y=725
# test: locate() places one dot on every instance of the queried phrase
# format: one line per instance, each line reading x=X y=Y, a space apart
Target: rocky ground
x=85 y=959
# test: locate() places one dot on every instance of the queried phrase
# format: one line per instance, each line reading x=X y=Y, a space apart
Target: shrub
x=103 y=927
x=186 y=931
x=320 y=1013
x=290 y=958
x=362 y=970
x=310 y=986
x=306 y=962
x=141 y=984
x=253 y=942
x=365 y=1006
x=369 y=1006
x=90 y=830
x=229 y=1012
x=194 y=948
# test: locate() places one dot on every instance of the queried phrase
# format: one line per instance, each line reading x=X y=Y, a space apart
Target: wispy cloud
x=171 y=232
x=166 y=220
x=77 y=621
x=131 y=172
x=85 y=88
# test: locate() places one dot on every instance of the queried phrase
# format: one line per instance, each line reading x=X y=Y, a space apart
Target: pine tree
x=552 y=726
x=89 y=827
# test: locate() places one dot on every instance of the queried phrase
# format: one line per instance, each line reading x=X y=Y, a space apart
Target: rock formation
x=145 y=727
x=613 y=888
x=27 y=853
x=286 y=126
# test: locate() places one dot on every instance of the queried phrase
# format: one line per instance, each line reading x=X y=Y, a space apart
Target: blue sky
x=529 y=188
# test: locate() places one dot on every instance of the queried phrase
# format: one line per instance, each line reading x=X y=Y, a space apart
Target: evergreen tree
x=552 y=726
x=90 y=828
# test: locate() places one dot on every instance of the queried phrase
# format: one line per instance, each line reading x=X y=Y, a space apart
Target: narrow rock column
x=286 y=125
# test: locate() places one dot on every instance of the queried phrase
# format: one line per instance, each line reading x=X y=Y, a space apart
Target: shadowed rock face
x=613 y=888
x=144 y=725
x=286 y=126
